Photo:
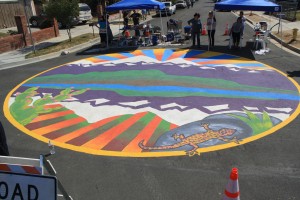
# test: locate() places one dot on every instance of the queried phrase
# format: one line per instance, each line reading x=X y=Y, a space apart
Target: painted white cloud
x=135 y=104
x=183 y=62
x=250 y=108
x=129 y=64
x=109 y=64
x=208 y=68
x=94 y=114
x=47 y=94
x=287 y=110
x=234 y=69
x=253 y=71
x=98 y=101
x=171 y=105
x=135 y=59
x=217 y=107
x=71 y=99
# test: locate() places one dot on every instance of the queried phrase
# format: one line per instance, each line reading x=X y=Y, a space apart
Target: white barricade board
x=15 y=186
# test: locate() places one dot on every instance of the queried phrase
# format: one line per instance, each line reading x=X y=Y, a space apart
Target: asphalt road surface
x=269 y=168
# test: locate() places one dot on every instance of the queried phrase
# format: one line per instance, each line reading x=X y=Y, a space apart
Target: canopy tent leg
x=106 y=30
x=119 y=25
x=161 y=23
x=280 y=30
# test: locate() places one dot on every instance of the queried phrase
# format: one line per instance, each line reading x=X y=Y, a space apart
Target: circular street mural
x=151 y=103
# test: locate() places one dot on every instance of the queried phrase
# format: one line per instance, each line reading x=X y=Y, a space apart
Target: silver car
x=180 y=4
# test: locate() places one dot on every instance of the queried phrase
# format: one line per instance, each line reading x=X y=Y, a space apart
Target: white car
x=169 y=9
x=181 y=4
x=85 y=13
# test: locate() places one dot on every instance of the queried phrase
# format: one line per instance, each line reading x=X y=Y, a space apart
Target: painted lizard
x=195 y=139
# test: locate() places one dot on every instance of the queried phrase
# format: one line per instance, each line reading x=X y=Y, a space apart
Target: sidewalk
x=17 y=57
x=287 y=29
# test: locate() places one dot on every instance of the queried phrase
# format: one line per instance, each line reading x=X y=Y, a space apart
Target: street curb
x=56 y=54
x=50 y=55
x=292 y=48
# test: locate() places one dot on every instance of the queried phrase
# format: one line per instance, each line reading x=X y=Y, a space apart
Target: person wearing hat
x=196 y=29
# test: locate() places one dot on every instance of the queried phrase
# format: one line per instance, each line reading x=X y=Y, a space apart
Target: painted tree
x=24 y=109
x=65 y=11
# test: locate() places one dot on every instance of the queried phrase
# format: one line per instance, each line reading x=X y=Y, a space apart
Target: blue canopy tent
x=131 y=5
x=253 y=5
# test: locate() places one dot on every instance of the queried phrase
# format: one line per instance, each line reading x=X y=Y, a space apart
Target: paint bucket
x=154 y=40
x=147 y=41
x=187 y=29
x=127 y=34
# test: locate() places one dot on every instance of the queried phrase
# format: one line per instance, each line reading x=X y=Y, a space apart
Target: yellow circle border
x=8 y=115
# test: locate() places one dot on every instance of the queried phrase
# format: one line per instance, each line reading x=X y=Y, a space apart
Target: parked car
x=36 y=21
x=42 y=21
x=169 y=10
x=181 y=4
x=85 y=13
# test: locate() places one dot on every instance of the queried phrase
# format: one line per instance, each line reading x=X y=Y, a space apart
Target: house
x=10 y=8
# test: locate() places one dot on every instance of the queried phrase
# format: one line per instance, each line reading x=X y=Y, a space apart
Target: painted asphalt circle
x=152 y=103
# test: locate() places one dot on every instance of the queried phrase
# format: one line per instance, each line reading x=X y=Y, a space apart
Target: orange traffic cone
x=226 y=30
x=204 y=32
x=232 y=191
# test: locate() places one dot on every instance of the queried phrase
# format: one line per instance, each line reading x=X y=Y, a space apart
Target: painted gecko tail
x=141 y=145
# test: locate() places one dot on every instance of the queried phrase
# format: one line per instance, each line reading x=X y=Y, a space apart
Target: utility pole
x=30 y=33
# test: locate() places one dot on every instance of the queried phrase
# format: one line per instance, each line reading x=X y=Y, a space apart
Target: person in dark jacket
x=236 y=31
x=103 y=30
x=188 y=3
x=136 y=21
x=196 y=29
x=3 y=145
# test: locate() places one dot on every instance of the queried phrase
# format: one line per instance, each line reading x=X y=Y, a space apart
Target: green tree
x=64 y=11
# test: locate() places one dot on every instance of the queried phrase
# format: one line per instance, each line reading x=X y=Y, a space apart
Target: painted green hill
x=149 y=77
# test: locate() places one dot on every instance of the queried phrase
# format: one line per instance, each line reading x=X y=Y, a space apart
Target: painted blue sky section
x=149 y=53
x=129 y=55
x=252 y=65
x=180 y=89
x=249 y=64
x=192 y=53
x=106 y=58
x=167 y=54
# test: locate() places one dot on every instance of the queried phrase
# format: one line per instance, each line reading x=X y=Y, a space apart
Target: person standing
x=243 y=21
x=188 y=3
x=211 y=28
x=196 y=29
x=136 y=21
x=144 y=14
x=3 y=145
x=236 y=32
x=104 y=29
x=125 y=18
